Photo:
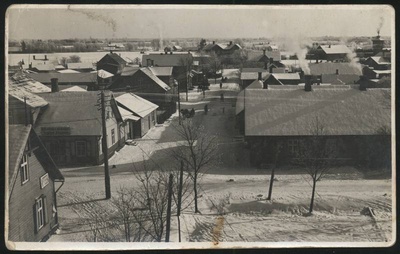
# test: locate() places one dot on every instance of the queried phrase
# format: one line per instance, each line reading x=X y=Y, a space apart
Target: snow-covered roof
x=136 y=104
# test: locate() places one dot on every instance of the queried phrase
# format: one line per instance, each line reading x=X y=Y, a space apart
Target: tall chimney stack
x=337 y=71
x=54 y=85
x=259 y=75
x=213 y=42
x=308 y=83
x=264 y=50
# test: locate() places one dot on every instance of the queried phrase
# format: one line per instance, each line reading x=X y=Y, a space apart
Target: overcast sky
x=190 y=21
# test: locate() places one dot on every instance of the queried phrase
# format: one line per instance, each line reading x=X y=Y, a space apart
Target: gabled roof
x=330 y=68
x=291 y=111
x=20 y=87
x=63 y=109
x=64 y=77
x=340 y=79
x=44 y=67
x=79 y=66
x=230 y=46
x=126 y=114
x=116 y=58
x=74 y=89
x=161 y=71
x=253 y=75
x=129 y=70
x=212 y=46
x=104 y=74
x=68 y=71
x=258 y=55
x=286 y=76
x=158 y=81
x=379 y=60
x=335 y=49
x=135 y=104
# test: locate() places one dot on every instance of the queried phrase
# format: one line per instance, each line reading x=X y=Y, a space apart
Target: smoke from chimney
x=381 y=22
x=352 y=56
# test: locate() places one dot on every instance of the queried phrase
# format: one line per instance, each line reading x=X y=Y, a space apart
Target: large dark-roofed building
x=350 y=116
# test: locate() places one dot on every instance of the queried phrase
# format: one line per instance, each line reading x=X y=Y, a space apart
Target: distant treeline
x=51 y=46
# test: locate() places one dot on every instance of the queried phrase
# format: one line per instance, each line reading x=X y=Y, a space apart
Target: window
x=293 y=145
x=80 y=148
x=112 y=136
x=24 y=169
x=40 y=208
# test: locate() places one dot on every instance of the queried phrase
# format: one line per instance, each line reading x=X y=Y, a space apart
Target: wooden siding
x=22 y=201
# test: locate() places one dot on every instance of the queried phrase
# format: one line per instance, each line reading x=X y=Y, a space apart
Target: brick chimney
x=337 y=71
x=271 y=69
x=34 y=57
x=54 y=85
x=264 y=50
x=308 y=83
x=213 y=42
x=230 y=43
x=45 y=57
x=259 y=75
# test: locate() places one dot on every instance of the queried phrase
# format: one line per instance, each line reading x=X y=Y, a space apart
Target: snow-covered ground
x=232 y=194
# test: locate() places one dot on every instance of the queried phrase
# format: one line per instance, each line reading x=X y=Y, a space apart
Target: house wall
x=22 y=215
x=63 y=149
x=370 y=151
x=110 y=65
x=16 y=111
x=143 y=86
x=373 y=64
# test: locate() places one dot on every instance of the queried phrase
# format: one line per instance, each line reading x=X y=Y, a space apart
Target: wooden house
x=112 y=63
x=354 y=119
x=32 y=176
x=144 y=83
x=139 y=114
x=74 y=138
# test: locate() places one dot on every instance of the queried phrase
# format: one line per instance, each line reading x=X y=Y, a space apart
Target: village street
x=233 y=191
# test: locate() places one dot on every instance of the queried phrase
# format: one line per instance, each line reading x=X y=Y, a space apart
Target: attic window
x=24 y=169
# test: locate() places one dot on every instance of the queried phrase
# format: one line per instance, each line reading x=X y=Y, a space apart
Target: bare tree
x=278 y=151
x=316 y=154
x=214 y=64
x=199 y=150
x=187 y=64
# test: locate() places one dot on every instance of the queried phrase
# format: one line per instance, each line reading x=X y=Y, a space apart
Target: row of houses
x=354 y=119
x=51 y=128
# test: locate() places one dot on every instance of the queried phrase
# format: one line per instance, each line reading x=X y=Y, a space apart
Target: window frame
x=77 y=151
x=40 y=212
x=113 y=136
x=293 y=146
x=24 y=167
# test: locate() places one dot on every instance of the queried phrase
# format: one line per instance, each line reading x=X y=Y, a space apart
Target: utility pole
x=105 y=148
x=26 y=112
x=168 y=229
x=180 y=200
x=179 y=107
